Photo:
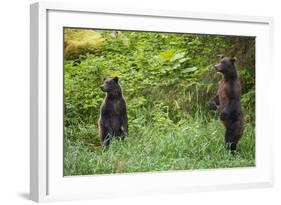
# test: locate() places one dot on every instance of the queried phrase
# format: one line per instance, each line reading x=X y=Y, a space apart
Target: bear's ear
x=221 y=56
x=116 y=79
x=233 y=59
x=104 y=79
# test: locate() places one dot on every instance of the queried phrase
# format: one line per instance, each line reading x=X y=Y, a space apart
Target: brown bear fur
x=113 y=120
x=227 y=101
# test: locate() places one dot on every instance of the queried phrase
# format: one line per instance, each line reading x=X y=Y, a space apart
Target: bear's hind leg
x=104 y=136
x=106 y=140
x=231 y=138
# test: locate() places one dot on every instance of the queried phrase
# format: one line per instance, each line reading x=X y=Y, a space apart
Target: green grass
x=194 y=144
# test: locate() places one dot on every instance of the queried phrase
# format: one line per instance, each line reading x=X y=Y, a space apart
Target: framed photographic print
x=127 y=102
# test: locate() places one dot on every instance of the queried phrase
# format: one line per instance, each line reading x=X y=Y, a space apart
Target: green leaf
x=168 y=55
x=184 y=59
x=178 y=56
x=188 y=70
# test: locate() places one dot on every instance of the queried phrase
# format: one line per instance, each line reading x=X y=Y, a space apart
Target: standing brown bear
x=227 y=101
x=113 y=120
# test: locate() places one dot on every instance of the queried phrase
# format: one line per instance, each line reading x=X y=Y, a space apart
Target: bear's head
x=226 y=66
x=111 y=85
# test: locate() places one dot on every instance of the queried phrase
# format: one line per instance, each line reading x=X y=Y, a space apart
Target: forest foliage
x=167 y=80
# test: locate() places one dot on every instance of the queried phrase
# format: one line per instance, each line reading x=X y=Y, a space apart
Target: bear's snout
x=102 y=88
x=218 y=67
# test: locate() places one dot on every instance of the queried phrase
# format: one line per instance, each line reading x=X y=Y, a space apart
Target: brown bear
x=227 y=101
x=113 y=121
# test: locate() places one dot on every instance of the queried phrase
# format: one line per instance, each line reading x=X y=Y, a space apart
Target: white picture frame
x=47 y=182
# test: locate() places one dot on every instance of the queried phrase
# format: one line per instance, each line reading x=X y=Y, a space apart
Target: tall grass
x=194 y=144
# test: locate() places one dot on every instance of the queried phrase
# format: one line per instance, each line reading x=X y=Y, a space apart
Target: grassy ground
x=191 y=145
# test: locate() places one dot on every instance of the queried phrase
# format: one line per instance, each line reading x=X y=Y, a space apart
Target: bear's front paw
x=223 y=116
